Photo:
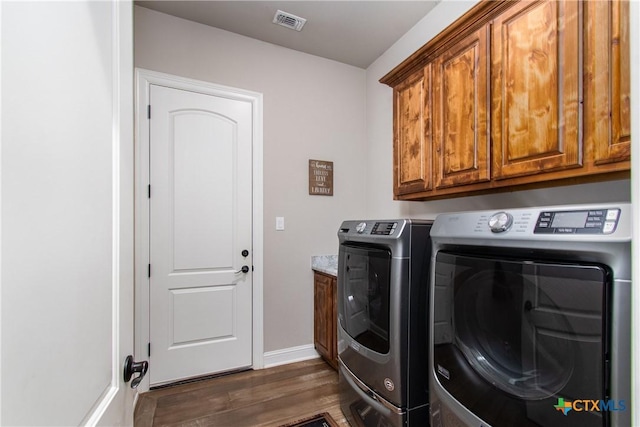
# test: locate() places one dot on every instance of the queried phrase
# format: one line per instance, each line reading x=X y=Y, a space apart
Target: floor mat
x=319 y=420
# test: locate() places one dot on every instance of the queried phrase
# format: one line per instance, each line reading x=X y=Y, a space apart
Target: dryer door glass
x=365 y=284
x=527 y=330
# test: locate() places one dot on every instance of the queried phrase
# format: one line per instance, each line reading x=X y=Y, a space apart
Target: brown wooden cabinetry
x=461 y=97
x=607 y=90
x=325 y=317
x=413 y=133
x=535 y=97
x=515 y=94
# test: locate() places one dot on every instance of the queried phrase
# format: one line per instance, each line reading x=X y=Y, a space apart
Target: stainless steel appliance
x=383 y=290
x=531 y=317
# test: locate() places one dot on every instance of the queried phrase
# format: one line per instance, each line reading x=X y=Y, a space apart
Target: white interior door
x=67 y=212
x=200 y=224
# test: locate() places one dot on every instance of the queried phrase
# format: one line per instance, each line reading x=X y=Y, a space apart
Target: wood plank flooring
x=266 y=397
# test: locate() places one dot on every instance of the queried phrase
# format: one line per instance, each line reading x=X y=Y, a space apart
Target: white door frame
x=145 y=78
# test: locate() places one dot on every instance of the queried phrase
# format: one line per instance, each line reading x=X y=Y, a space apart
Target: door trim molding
x=144 y=79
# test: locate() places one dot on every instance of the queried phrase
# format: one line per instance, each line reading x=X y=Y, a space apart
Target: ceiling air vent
x=288 y=20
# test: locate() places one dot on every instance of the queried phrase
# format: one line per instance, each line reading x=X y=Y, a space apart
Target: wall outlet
x=279 y=223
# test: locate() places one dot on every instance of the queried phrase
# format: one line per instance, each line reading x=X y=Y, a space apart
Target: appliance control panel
x=594 y=221
x=386 y=228
x=604 y=222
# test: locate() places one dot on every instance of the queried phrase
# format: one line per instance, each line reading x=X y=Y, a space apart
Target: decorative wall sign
x=320 y=178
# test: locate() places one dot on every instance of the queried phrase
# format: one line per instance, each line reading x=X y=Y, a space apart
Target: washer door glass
x=365 y=286
x=533 y=330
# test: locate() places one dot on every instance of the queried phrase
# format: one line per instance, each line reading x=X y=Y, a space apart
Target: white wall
x=313 y=109
x=380 y=201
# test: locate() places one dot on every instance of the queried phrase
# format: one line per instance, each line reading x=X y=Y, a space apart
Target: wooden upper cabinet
x=412 y=134
x=525 y=93
x=536 y=86
x=607 y=83
x=460 y=112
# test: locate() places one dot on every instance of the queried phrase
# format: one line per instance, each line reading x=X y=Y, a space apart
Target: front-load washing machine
x=530 y=317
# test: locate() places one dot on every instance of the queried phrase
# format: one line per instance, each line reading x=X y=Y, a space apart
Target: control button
x=388 y=384
x=612 y=214
x=565 y=230
x=609 y=226
x=500 y=222
x=361 y=227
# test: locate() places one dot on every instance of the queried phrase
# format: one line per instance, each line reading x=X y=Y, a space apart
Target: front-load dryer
x=530 y=320
x=383 y=294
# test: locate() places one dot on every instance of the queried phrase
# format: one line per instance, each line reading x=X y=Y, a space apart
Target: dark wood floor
x=266 y=397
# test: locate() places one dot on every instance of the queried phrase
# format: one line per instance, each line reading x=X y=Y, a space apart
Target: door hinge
x=149 y=349
x=149 y=191
x=149 y=270
x=149 y=111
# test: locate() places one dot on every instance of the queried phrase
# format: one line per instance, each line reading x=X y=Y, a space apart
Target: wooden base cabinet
x=515 y=93
x=325 y=317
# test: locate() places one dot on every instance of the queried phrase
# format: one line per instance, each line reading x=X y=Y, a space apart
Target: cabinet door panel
x=607 y=81
x=322 y=313
x=412 y=123
x=535 y=72
x=460 y=112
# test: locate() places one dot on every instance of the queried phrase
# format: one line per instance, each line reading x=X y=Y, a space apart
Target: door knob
x=131 y=367
x=244 y=269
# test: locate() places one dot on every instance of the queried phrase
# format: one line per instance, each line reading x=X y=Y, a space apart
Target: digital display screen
x=385 y=228
x=569 y=219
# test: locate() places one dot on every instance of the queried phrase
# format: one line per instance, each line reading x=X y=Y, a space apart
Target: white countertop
x=327 y=264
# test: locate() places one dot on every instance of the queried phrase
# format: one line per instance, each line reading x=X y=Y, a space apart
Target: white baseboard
x=290 y=355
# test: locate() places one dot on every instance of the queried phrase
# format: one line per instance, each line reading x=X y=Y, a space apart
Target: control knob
x=500 y=222
x=361 y=227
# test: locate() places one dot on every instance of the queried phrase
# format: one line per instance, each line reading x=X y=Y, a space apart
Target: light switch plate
x=279 y=223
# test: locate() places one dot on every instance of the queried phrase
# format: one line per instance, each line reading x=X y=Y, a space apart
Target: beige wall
x=313 y=109
x=379 y=138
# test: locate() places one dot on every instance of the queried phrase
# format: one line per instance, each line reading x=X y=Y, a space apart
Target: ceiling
x=353 y=32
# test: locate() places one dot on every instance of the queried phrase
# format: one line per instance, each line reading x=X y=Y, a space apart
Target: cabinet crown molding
x=475 y=18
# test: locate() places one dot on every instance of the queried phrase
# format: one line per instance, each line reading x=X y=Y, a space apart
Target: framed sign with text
x=320 y=178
